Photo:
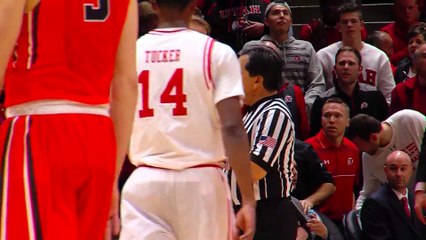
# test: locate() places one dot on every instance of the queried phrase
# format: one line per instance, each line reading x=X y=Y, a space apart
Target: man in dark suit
x=389 y=212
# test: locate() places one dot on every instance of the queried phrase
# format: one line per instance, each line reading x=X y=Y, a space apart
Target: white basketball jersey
x=182 y=75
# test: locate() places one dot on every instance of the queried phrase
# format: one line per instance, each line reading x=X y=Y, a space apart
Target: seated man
x=411 y=94
x=406 y=14
x=401 y=131
x=360 y=97
x=376 y=68
x=389 y=212
x=341 y=158
x=314 y=183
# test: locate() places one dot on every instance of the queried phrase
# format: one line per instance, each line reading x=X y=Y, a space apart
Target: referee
x=271 y=137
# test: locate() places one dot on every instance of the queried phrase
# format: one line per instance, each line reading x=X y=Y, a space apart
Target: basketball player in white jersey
x=188 y=123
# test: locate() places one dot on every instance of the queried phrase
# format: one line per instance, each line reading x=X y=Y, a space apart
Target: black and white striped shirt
x=271 y=136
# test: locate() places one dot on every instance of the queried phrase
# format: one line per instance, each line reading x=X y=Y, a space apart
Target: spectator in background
x=411 y=94
x=148 y=18
x=292 y=94
x=234 y=22
x=341 y=158
x=323 y=31
x=389 y=212
x=401 y=131
x=406 y=15
x=360 y=97
x=314 y=183
x=376 y=66
x=416 y=37
x=301 y=64
x=384 y=42
x=197 y=23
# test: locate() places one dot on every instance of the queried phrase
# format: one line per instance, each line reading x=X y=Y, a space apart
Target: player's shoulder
x=406 y=114
x=330 y=49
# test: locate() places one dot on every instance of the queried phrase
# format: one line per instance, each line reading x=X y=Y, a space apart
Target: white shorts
x=191 y=204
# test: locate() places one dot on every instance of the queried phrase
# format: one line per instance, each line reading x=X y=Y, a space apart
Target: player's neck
x=168 y=19
x=385 y=135
x=172 y=24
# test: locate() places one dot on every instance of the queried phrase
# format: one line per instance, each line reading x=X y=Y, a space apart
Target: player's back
x=182 y=75
x=66 y=50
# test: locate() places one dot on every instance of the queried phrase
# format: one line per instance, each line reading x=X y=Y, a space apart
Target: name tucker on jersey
x=161 y=56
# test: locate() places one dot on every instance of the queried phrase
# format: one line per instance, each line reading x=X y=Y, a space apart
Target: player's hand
x=419 y=205
x=112 y=230
x=306 y=204
x=246 y=221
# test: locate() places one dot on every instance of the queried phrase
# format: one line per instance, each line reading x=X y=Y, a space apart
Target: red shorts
x=56 y=176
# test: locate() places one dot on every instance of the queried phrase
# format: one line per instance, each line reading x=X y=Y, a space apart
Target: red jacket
x=408 y=95
x=343 y=164
x=400 y=42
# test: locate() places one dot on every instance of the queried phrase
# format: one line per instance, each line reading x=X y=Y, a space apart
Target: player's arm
x=124 y=86
x=11 y=12
x=371 y=183
x=420 y=195
x=324 y=191
x=236 y=146
x=123 y=101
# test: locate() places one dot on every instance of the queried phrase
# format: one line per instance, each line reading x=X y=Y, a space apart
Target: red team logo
x=412 y=151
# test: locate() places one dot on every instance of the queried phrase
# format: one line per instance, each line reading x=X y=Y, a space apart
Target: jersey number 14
x=178 y=98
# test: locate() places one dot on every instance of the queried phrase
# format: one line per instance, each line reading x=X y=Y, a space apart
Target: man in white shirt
x=376 y=70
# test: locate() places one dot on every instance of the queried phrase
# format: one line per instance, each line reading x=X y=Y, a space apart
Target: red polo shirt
x=343 y=164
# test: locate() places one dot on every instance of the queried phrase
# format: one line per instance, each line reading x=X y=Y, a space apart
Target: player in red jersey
x=70 y=85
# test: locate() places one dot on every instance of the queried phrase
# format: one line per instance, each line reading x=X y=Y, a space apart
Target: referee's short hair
x=362 y=126
x=264 y=61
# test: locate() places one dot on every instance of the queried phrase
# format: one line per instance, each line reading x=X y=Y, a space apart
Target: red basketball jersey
x=66 y=50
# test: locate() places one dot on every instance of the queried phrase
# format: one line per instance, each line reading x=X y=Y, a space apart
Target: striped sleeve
x=272 y=135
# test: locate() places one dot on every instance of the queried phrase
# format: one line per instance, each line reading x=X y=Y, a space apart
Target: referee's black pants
x=276 y=219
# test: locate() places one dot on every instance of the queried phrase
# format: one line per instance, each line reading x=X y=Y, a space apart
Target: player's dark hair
x=362 y=126
x=176 y=4
x=267 y=63
x=349 y=7
x=348 y=49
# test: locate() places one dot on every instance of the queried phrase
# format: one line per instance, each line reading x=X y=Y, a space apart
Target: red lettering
x=160 y=56
x=165 y=56
x=370 y=77
x=147 y=53
x=255 y=9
